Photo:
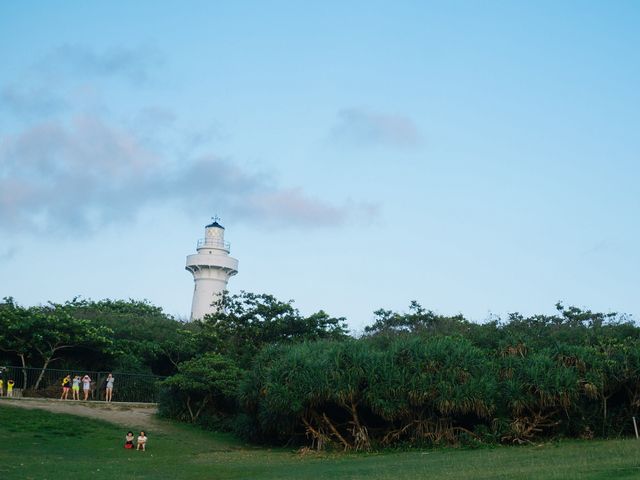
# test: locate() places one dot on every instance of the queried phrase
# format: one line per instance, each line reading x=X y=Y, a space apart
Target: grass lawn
x=35 y=444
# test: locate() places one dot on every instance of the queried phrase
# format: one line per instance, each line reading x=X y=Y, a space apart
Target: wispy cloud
x=78 y=175
x=361 y=127
x=597 y=248
x=49 y=86
x=80 y=168
x=30 y=102
x=136 y=65
x=156 y=117
x=292 y=204
x=8 y=254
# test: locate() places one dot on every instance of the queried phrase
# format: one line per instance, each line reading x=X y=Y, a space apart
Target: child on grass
x=128 y=440
x=142 y=441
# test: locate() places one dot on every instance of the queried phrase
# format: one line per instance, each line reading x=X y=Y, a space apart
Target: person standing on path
x=86 y=386
x=109 y=389
x=10 y=384
x=66 y=385
x=75 y=388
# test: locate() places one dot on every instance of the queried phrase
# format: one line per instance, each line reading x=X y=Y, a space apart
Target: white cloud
x=77 y=168
x=75 y=176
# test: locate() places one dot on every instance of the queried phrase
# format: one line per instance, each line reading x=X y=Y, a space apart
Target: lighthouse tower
x=211 y=268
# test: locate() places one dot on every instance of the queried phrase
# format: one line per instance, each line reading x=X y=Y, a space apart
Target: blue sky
x=479 y=157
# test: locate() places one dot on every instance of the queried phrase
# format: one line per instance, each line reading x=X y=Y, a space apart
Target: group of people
x=69 y=383
x=142 y=441
x=10 y=384
x=73 y=384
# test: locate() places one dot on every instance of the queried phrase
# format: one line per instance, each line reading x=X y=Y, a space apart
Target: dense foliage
x=129 y=336
x=420 y=378
x=245 y=323
x=259 y=367
x=40 y=335
x=145 y=339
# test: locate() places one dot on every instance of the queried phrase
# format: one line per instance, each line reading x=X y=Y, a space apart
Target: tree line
x=260 y=368
x=107 y=335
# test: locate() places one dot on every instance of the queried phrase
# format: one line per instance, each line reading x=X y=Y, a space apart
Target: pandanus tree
x=314 y=386
x=354 y=394
x=537 y=389
x=349 y=371
x=609 y=370
x=254 y=394
x=423 y=386
x=419 y=377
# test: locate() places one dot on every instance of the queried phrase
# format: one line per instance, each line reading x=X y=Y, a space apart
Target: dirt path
x=127 y=414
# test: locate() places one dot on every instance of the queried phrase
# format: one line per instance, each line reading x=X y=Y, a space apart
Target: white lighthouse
x=211 y=268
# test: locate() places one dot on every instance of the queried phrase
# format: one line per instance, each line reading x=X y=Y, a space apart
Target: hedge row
x=360 y=394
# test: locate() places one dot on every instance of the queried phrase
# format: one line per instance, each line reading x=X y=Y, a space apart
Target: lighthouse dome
x=214 y=224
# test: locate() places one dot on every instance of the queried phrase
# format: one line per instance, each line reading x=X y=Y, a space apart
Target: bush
x=423 y=379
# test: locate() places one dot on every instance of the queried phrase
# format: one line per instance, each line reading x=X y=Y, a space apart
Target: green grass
x=39 y=445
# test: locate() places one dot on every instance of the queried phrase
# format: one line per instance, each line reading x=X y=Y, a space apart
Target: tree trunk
x=172 y=361
x=204 y=403
x=189 y=408
x=24 y=370
x=46 y=363
x=359 y=431
x=604 y=415
x=194 y=416
x=317 y=437
x=336 y=432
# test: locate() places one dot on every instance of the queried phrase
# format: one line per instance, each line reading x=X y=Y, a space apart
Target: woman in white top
x=86 y=386
x=109 y=389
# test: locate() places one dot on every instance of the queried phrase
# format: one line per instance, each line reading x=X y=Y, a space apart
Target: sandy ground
x=127 y=414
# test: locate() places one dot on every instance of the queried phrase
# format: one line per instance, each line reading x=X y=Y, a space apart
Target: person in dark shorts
x=66 y=386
